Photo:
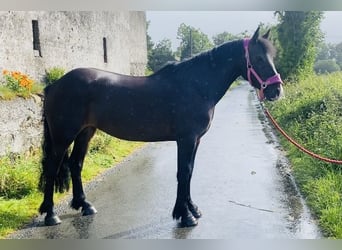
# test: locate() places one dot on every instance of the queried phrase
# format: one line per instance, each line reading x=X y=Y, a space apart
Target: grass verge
x=19 y=197
x=311 y=113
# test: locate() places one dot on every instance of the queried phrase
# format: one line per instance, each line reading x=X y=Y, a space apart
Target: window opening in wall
x=36 y=40
x=105 y=59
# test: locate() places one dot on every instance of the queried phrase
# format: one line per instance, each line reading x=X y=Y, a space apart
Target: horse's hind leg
x=52 y=162
x=76 y=163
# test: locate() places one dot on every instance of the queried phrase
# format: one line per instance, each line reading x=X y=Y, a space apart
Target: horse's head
x=261 y=72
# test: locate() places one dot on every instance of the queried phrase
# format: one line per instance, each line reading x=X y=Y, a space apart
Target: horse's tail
x=62 y=179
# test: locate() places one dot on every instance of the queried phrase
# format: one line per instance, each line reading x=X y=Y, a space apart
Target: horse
x=175 y=103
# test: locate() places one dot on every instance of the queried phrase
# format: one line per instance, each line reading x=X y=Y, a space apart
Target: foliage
x=299 y=36
x=53 y=74
x=6 y=93
x=19 y=196
x=226 y=37
x=193 y=41
x=160 y=54
x=148 y=71
x=150 y=45
x=330 y=52
x=326 y=66
x=311 y=113
x=325 y=51
x=149 y=41
x=18 y=177
x=16 y=84
x=336 y=53
x=17 y=81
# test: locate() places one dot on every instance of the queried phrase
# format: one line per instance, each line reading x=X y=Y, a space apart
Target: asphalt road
x=241 y=183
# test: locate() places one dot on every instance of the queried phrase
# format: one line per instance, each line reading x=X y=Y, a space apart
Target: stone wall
x=67 y=40
x=71 y=39
x=20 y=125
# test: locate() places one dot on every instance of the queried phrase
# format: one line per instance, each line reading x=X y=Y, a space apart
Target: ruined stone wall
x=67 y=40
x=71 y=39
x=20 y=125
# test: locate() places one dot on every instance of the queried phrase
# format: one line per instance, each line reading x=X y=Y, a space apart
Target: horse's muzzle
x=272 y=92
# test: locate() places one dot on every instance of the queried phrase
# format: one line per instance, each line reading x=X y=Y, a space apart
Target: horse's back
x=123 y=106
x=132 y=108
x=87 y=84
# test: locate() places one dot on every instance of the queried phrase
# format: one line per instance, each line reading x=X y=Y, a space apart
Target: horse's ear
x=256 y=35
x=267 y=34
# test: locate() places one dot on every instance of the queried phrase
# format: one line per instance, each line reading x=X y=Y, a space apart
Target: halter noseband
x=250 y=70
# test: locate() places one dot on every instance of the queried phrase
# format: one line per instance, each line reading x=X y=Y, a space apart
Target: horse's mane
x=210 y=58
x=168 y=67
x=176 y=67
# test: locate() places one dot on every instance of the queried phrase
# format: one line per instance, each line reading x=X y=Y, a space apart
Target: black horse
x=175 y=104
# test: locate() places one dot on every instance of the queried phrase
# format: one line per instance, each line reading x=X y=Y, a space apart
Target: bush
x=53 y=75
x=18 y=177
x=311 y=113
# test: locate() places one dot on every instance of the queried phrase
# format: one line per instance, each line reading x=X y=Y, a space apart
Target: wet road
x=240 y=183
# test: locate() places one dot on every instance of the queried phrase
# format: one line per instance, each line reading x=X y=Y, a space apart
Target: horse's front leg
x=184 y=207
x=192 y=206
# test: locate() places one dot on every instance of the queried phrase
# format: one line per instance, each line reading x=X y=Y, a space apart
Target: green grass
x=311 y=113
x=8 y=94
x=53 y=74
x=19 y=197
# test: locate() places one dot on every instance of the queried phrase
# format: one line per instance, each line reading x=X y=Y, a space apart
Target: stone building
x=33 y=41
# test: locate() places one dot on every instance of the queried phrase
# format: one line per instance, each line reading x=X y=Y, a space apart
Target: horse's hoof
x=89 y=211
x=189 y=221
x=52 y=220
x=195 y=212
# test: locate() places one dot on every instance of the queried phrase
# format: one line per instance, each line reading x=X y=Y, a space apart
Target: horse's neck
x=225 y=66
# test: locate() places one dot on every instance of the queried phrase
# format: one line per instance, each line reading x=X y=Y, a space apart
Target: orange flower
x=21 y=79
x=16 y=75
x=26 y=82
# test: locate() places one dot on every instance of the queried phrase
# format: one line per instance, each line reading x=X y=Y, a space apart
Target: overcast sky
x=164 y=24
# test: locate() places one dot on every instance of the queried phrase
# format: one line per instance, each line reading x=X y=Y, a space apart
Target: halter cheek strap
x=250 y=70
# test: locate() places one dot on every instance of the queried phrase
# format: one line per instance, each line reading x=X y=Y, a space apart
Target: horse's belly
x=139 y=131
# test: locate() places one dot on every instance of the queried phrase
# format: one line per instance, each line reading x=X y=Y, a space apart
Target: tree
x=325 y=52
x=336 y=53
x=193 y=41
x=150 y=45
x=160 y=54
x=326 y=66
x=226 y=37
x=330 y=52
x=299 y=36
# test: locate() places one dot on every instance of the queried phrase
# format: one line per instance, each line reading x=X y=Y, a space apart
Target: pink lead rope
x=250 y=70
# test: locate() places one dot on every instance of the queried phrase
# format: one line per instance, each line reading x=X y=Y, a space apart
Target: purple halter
x=250 y=70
